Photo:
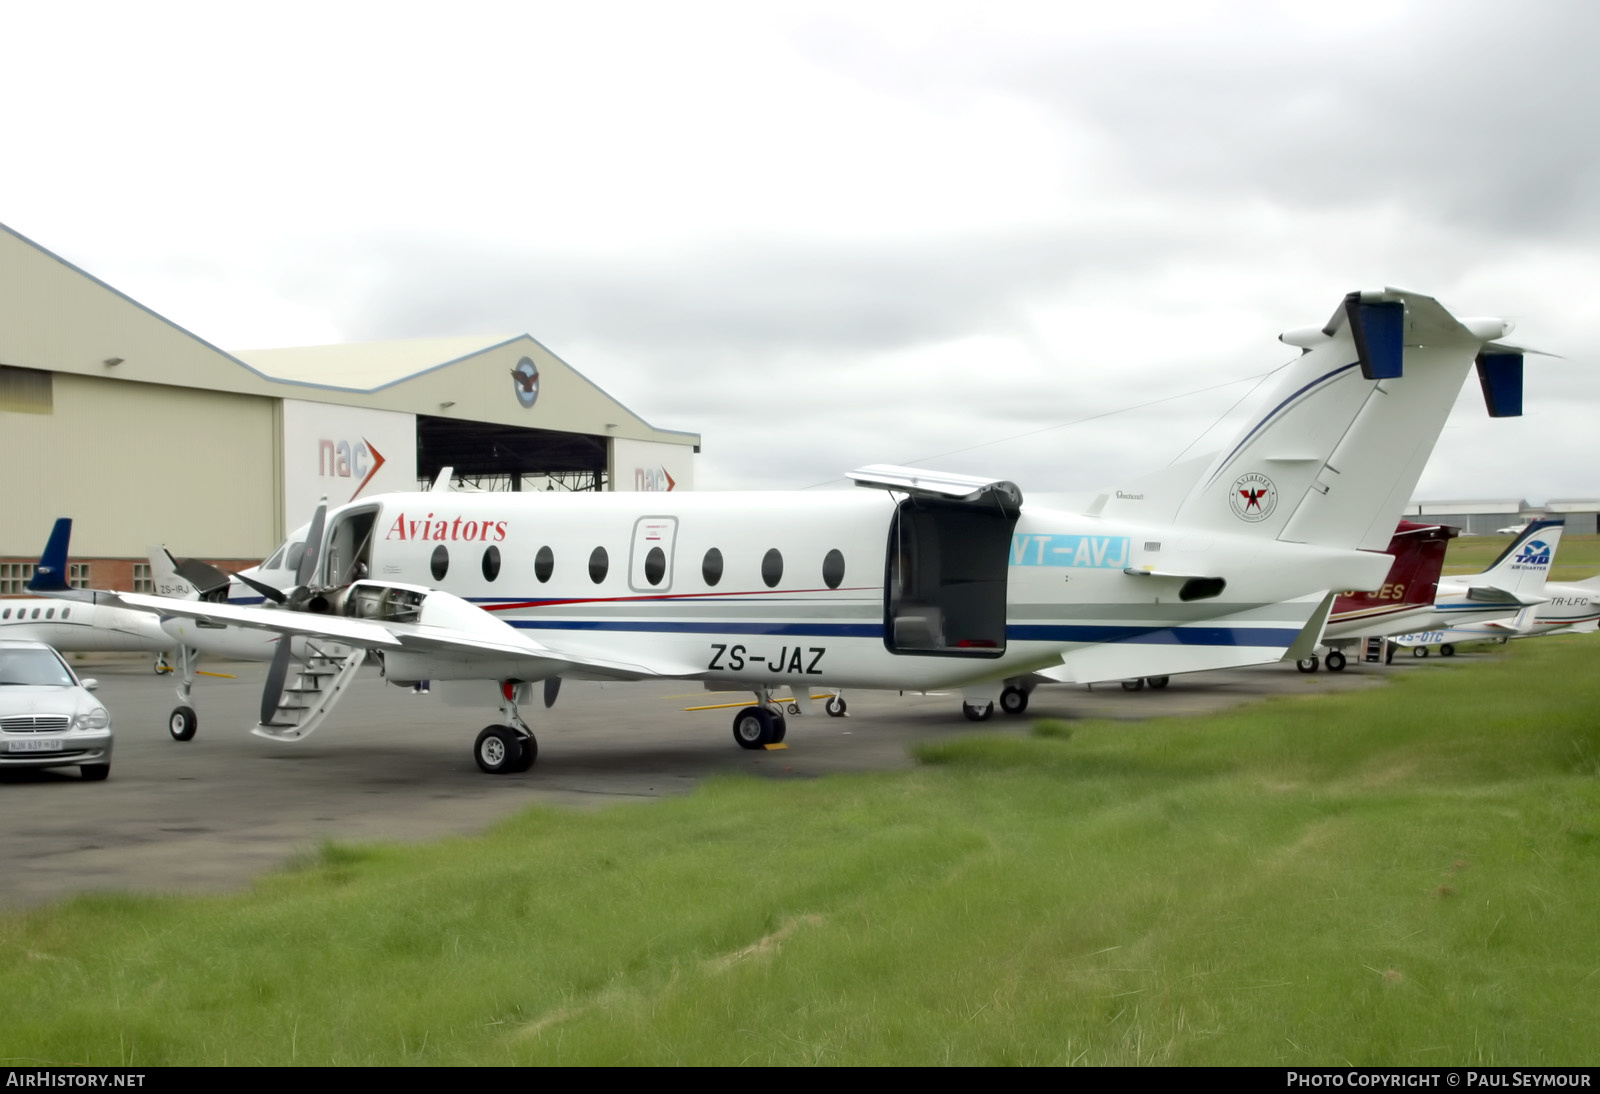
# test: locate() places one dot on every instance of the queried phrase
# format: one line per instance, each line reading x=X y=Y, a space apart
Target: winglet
x=50 y=576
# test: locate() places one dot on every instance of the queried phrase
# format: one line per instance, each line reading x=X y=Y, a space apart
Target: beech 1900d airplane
x=921 y=581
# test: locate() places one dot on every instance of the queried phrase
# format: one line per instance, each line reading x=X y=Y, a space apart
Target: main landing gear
x=183 y=722
x=762 y=725
x=508 y=748
x=1335 y=661
x=1138 y=683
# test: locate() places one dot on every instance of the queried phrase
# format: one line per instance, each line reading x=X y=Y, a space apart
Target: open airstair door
x=948 y=554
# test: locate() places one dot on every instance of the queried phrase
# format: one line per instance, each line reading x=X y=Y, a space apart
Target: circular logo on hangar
x=525 y=377
x=1253 y=497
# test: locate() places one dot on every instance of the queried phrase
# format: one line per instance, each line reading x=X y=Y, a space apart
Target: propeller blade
x=264 y=589
x=552 y=688
x=205 y=577
x=272 y=694
x=308 y=561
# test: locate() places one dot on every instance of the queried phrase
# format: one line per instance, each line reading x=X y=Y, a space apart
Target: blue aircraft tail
x=50 y=576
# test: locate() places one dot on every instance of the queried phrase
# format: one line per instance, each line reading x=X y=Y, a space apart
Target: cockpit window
x=276 y=560
x=296 y=552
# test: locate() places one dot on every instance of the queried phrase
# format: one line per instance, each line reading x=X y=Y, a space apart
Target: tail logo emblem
x=1535 y=553
x=1253 y=497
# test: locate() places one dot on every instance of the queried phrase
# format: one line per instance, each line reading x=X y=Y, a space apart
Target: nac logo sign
x=653 y=479
x=343 y=460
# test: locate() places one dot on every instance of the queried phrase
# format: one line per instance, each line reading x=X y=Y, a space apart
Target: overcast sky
x=829 y=234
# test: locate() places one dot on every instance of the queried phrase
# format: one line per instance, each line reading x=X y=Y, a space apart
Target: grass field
x=1409 y=876
x=1577 y=557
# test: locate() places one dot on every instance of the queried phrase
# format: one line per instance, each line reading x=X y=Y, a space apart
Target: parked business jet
x=72 y=626
x=920 y=581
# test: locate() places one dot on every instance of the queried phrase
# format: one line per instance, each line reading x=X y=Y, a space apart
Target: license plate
x=36 y=746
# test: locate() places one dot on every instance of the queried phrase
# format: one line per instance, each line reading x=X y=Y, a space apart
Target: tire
x=1447 y=650
x=836 y=707
x=1158 y=682
x=530 y=753
x=780 y=729
x=752 y=727
x=1309 y=664
x=794 y=708
x=1133 y=685
x=182 y=723
x=498 y=750
x=1013 y=700
x=1419 y=651
x=978 y=713
x=93 y=773
x=1335 y=661
x=163 y=668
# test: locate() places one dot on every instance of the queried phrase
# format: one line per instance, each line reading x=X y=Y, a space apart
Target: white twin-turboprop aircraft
x=921 y=581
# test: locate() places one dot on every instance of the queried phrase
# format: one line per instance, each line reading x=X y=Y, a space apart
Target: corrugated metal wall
x=135 y=464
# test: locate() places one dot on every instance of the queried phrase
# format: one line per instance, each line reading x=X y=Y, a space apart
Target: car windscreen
x=33 y=667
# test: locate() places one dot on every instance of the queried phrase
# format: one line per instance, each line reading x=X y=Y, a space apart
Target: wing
x=448 y=637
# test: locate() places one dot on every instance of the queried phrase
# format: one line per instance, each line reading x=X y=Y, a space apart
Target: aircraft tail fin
x=1522 y=568
x=167 y=574
x=1413 y=580
x=50 y=576
x=1337 y=450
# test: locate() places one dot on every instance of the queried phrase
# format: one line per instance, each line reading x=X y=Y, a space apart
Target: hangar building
x=144 y=433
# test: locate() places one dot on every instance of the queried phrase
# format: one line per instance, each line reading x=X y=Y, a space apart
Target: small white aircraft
x=921 y=581
x=1509 y=589
x=1514 y=583
x=72 y=626
x=1562 y=608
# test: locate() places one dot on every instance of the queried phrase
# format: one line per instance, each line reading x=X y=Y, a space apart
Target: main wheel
x=1447 y=650
x=1308 y=664
x=1133 y=685
x=1419 y=651
x=1335 y=661
x=182 y=723
x=530 y=752
x=1013 y=700
x=836 y=707
x=93 y=773
x=977 y=713
x=498 y=750
x=1158 y=682
x=753 y=727
x=163 y=666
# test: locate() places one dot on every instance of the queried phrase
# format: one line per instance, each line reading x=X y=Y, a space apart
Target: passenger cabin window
x=655 y=565
x=544 y=564
x=833 y=568
x=772 y=568
x=599 y=563
x=5 y=614
x=439 y=564
x=711 y=567
x=49 y=613
x=491 y=562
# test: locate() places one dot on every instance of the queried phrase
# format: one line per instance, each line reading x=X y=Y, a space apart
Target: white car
x=47 y=716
